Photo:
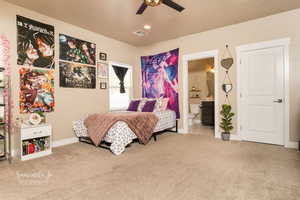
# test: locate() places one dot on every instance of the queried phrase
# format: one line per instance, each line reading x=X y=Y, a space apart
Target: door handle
x=278 y=101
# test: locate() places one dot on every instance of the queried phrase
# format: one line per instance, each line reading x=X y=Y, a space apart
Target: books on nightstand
x=35 y=145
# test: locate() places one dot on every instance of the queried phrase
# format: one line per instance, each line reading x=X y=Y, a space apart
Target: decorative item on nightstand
x=37 y=118
x=36 y=141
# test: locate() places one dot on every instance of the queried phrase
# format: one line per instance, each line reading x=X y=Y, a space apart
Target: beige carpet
x=177 y=167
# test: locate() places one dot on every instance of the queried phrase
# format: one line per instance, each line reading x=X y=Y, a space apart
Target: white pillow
x=142 y=103
x=158 y=104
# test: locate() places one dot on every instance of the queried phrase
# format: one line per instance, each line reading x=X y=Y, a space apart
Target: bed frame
x=106 y=145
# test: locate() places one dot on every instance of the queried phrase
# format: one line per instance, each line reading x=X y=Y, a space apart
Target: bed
x=119 y=136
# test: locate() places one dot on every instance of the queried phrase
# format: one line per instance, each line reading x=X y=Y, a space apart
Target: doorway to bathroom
x=201 y=117
x=200 y=93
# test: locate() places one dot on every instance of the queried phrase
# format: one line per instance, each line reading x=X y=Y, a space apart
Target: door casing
x=185 y=100
x=284 y=43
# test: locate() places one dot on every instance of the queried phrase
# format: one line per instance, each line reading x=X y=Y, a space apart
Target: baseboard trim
x=66 y=141
x=182 y=131
x=291 y=145
x=232 y=137
x=235 y=137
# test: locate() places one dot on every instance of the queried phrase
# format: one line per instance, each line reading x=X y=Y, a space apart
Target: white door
x=262 y=93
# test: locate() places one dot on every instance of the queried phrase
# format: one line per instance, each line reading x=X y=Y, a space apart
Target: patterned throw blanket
x=142 y=124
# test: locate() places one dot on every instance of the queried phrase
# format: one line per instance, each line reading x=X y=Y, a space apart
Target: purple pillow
x=149 y=106
x=133 y=106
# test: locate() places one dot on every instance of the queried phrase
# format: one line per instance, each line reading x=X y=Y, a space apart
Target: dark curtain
x=121 y=72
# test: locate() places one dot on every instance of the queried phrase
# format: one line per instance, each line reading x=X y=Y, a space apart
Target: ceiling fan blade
x=142 y=9
x=174 y=5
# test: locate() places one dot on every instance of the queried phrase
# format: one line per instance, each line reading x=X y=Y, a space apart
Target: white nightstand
x=36 y=141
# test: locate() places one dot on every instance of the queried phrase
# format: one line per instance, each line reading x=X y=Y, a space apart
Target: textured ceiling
x=117 y=19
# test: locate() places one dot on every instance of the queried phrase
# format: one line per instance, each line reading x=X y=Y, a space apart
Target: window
x=117 y=100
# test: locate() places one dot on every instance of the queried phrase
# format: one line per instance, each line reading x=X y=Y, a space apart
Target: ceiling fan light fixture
x=153 y=3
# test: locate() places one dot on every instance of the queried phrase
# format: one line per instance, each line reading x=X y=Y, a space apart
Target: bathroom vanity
x=208 y=113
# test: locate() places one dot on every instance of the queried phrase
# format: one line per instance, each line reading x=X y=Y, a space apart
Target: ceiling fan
x=154 y=3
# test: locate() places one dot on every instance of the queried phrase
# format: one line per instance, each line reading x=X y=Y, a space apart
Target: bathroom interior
x=201 y=96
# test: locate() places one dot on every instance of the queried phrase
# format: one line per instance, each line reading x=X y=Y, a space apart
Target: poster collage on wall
x=36 y=50
x=77 y=63
x=78 y=68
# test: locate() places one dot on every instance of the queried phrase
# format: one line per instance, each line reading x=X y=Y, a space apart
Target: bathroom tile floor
x=199 y=129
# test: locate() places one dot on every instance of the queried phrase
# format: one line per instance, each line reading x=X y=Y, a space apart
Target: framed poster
x=35 y=43
x=76 y=50
x=73 y=75
x=102 y=69
x=36 y=90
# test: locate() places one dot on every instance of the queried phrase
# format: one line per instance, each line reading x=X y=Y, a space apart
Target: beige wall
x=270 y=28
x=71 y=104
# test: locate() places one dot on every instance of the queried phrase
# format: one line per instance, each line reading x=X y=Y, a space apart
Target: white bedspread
x=120 y=135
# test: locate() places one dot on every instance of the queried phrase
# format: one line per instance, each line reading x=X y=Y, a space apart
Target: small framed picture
x=103 y=56
x=102 y=69
x=1 y=96
x=2 y=114
x=103 y=85
x=2 y=81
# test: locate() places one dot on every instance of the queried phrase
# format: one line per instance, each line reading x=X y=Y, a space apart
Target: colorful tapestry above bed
x=160 y=77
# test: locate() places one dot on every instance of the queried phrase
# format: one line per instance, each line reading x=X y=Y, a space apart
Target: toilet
x=194 y=112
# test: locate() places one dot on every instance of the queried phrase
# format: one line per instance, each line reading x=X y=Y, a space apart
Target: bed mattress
x=120 y=135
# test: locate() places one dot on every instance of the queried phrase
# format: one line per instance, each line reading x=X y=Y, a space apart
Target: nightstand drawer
x=36 y=132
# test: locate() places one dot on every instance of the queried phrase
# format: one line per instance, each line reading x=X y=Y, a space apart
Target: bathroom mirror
x=227 y=87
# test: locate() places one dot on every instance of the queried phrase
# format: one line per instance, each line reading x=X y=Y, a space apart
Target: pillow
x=158 y=104
x=141 y=105
x=149 y=106
x=161 y=104
x=133 y=106
x=164 y=105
